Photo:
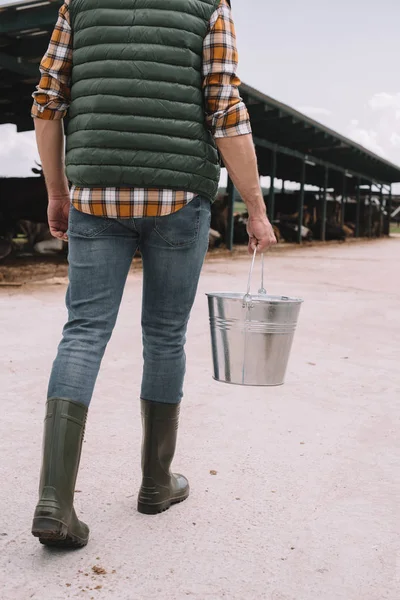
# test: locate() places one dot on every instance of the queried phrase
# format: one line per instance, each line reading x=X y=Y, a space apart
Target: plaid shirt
x=226 y=115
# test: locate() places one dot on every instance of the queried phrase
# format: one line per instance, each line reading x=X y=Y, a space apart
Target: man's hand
x=58 y=212
x=261 y=233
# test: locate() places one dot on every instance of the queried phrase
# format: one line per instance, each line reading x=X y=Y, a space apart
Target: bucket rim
x=255 y=297
x=248 y=384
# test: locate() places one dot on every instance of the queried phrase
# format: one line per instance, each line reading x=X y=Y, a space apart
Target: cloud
x=367 y=138
x=378 y=128
x=314 y=111
x=395 y=140
x=18 y=152
x=383 y=101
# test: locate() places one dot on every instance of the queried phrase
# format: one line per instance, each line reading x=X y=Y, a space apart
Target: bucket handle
x=247 y=300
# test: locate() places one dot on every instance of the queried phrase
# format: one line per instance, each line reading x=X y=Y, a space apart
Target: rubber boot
x=160 y=488
x=55 y=522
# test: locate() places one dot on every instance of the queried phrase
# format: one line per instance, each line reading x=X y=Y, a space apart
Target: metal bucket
x=252 y=335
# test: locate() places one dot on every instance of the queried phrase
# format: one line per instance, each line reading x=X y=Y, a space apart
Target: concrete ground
x=304 y=504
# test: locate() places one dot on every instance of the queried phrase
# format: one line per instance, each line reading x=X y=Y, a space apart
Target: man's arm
x=50 y=142
x=51 y=101
x=229 y=121
x=241 y=162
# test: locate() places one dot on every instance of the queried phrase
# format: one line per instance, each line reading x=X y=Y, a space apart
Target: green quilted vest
x=137 y=113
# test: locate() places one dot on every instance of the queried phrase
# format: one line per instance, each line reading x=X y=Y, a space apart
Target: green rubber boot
x=55 y=522
x=160 y=488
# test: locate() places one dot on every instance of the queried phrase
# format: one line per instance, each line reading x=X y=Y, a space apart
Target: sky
x=337 y=62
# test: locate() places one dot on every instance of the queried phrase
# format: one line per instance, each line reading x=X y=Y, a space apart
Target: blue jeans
x=101 y=250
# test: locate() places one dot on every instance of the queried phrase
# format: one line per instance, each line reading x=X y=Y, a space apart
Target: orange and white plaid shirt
x=226 y=114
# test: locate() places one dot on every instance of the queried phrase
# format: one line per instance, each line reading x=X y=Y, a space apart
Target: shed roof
x=276 y=125
x=25 y=28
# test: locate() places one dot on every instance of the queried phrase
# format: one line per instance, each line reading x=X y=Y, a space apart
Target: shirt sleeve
x=226 y=113
x=52 y=97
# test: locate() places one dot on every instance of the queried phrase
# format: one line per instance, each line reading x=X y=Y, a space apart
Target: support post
x=344 y=200
x=283 y=187
x=231 y=203
x=324 y=205
x=271 y=199
x=389 y=212
x=370 y=212
x=380 y=209
x=301 y=200
x=358 y=209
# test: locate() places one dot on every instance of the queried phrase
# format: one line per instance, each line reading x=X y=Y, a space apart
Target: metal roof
x=294 y=135
x=281 y=133
x=25 y=28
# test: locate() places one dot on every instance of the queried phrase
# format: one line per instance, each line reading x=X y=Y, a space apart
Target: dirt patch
x=99 y=570
x=32 y=268
x=53 y=270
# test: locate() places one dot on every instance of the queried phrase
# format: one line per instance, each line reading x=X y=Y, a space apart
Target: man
x=152 y=92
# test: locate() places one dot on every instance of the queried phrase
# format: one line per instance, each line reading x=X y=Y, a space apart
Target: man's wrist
x=58 y=196
x=257 y=212
x=58 y=188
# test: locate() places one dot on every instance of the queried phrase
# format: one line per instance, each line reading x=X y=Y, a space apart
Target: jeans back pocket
x=85 y=225
x=181 y=228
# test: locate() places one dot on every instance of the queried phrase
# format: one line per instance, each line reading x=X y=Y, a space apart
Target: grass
x=395 y=228
x=240 y=207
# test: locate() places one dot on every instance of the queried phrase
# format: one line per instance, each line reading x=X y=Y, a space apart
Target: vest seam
x=137 y=44
x=131 y=98
x=81 y=29
x=186 y=155
x=79 y=79
x=133 y=60
x=206 y=2
x=194 y=139
x=71 y=164
x=134 y=116
x=179 y=12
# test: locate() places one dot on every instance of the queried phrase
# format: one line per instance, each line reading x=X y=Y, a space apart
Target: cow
x=21 y=199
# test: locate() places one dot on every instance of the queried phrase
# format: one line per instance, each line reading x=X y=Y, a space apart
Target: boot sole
x=55 y=533
x=156 y=509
